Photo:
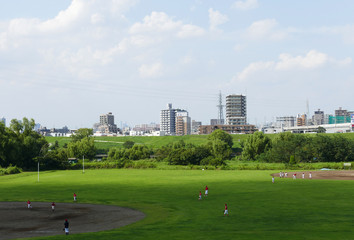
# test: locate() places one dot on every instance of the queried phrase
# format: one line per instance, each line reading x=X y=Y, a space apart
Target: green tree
x=323 y=148
x=287 y=144
x=82 y=133
x=321 y=130
x=128 y=144
x=20 y=144
x=221 y=135
x=343 y=149
x=255 y=145
x=220 y=150
x=83 y=148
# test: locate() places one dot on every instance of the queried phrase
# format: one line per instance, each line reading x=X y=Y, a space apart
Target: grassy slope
x=109 y=142
x=288 y=209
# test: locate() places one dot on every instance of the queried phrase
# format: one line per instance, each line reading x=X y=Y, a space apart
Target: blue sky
x=66 y=62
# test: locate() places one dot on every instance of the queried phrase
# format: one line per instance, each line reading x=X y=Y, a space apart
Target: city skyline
x=64 y=63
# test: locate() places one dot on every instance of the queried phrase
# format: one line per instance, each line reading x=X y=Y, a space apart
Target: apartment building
x=175 y=121
x=236 y=110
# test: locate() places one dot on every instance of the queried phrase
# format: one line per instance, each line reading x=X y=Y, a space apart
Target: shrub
x=10 y=170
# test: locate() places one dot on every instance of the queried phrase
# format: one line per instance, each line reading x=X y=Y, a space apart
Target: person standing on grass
x=286 y=174
x=226 y=211
x=310 y=175
x=272 y=179
x=303 y=175
x=74 y=197
x=53 y=206
x=200 y=195
x=66 y=227
x=206 y=191
x=29 y=204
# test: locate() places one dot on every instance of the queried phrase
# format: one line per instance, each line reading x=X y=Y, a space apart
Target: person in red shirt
x=200 y=195
x=29 y=204
x=74 y=197
x=206 y=191
x=226 y=212
x=53 y=206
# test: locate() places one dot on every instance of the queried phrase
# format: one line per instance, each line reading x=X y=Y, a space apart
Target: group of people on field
x=285 y=175
x=66 y=222
x=226 y=211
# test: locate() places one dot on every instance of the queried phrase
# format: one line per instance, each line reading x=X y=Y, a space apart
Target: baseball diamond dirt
x=324 y=174
x=17 y=221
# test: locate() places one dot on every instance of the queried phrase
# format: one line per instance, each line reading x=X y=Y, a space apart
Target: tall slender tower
x=220 y=109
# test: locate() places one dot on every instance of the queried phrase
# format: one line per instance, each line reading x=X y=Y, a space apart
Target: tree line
x=294 y=148
x=23 y=147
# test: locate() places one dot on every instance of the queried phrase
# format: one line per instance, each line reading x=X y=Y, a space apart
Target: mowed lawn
x=287 y=209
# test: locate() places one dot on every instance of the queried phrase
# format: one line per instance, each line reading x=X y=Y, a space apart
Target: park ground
x=317 y=208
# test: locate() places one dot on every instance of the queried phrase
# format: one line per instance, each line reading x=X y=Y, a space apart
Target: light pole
x=41 y=152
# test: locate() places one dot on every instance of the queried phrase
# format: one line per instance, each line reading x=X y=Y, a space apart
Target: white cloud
x=312 y=59
x=216 y=19
x=266 y=29
x=286 y=62
x=150 y=70
x=156 y=22
x=79 y=13
x=189 y=30
x=245 y=5
x=77 y=10
x=160 y=22
x=253 y=68
x=74 y=40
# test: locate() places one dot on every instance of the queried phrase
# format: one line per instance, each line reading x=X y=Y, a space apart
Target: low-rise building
x=232 y=129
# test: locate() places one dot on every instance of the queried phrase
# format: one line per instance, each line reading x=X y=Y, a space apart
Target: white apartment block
x=175 y=121
x=236 y=110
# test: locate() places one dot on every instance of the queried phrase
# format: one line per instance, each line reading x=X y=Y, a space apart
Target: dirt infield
x=17 y=221
x=323 y=174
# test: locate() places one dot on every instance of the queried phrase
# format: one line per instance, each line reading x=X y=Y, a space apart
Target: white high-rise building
x=236 y=110
x=167 y=120
x=175 y=121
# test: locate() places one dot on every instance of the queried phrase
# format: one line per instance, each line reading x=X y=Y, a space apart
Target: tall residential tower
x=175 y=121
x=236 y=110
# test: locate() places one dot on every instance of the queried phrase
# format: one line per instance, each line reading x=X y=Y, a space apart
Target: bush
x=10 y=170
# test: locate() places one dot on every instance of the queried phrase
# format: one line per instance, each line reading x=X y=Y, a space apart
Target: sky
x=64 y=63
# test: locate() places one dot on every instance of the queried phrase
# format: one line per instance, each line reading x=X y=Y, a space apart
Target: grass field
x=288 y=209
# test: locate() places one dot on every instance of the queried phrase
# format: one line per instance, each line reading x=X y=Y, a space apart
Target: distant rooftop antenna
x=220 y=108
